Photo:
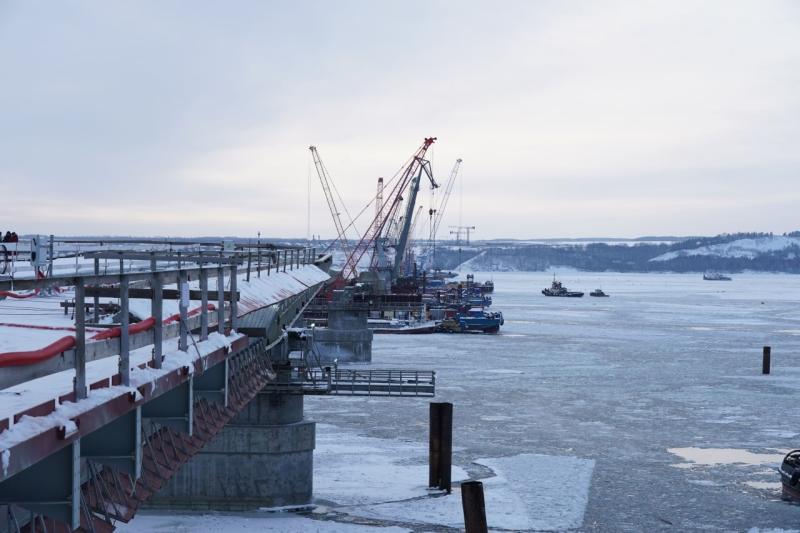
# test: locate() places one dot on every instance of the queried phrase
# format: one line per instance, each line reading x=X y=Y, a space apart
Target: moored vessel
x=473 y=321
x=557 y=289
x=790 y=476
x=598 y=293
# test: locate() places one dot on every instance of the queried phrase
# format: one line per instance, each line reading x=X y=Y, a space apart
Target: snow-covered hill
x=740 y=248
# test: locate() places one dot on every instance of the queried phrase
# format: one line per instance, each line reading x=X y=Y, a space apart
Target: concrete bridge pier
x=263 y=457
x=347 y=337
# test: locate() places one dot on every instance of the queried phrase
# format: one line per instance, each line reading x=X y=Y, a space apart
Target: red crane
x=387 y=210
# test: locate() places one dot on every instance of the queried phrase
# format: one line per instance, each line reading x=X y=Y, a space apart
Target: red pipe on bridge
x=37 y=356
x=63 y=344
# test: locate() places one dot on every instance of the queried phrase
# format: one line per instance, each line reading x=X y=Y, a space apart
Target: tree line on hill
x=598 y=257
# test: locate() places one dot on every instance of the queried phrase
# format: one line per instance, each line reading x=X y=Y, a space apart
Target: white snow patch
x=529 y=491
x=764 y=485
x=724 y=456
x=746 y=248
x=6 y=458
x=780 y=433
x=703 y=482
x=355 y=470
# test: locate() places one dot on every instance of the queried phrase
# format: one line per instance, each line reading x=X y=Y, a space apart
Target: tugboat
x=715 y=276
x=599 y=293
x=556 y=289
x=790 y=476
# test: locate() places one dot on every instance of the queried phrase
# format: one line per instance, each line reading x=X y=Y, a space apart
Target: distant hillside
x=728 y=252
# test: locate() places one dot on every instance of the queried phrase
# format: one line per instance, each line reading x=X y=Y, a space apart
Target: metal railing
x=48 y=254
x=357 y=382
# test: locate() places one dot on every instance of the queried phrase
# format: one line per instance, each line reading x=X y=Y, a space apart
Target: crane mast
x=411 y=239
x=423 y=166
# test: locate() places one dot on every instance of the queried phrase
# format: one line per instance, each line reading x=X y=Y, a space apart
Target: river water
x=657 y=389
x=644 y=411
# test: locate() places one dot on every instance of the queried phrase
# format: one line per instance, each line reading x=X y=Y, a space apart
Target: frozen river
x=667 y=362
x=639 y=412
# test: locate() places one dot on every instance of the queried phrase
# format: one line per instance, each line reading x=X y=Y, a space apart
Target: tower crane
x=459 y=230
x=457 y=233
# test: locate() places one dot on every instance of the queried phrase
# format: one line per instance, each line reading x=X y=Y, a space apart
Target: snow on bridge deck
x=32 y=323
x=40 y=320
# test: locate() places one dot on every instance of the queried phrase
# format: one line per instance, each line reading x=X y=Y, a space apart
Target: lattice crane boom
x=325 y=180
x=388 y=209
x=439 y=213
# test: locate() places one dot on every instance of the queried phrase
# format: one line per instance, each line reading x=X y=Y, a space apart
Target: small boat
x=790 y=476
x=715 y=276
x=599 y=293
x=556 y=289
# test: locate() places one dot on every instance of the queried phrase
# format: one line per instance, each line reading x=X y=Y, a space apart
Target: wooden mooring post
x=474 y=506
x=440 y=445
x=766 y=359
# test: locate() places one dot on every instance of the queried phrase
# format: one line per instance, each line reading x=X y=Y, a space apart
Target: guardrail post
x=183 y=308
x=124 y=334
x=50 y=258
x=765 y=359
x=258 y=260
x=220 y=300
x=157 y=310
x=284 y=260
x=80 y=340
x=234 y=297
x=96 y=300
x=203 y=303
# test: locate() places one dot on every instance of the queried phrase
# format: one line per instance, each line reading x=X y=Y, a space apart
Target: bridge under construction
x=128 y=382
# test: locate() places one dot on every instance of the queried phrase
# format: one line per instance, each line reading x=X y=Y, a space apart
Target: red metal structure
x=386 y=211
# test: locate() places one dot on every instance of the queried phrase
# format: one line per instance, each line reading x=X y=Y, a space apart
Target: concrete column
x=262 y=458
x=346 y=337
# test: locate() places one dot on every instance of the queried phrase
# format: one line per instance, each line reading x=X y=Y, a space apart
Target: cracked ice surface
x=668 y=362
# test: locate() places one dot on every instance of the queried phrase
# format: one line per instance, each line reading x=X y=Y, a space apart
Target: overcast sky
x=596 y=118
